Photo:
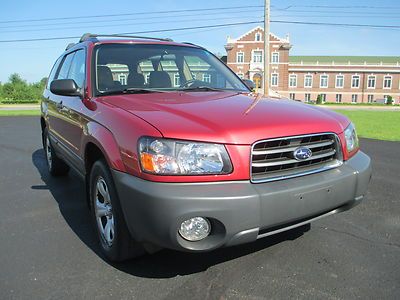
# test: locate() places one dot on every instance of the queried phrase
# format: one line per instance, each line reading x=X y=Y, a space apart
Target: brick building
x=350 y=79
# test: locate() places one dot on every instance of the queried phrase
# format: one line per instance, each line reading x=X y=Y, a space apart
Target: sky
x=33 y=60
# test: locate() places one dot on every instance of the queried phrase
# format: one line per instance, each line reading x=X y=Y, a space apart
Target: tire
x=55 y=165
x=113 y=235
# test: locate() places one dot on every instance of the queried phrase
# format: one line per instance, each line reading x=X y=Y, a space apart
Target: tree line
x=18 y=90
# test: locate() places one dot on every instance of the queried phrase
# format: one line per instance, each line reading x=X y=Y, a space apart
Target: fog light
x=195 y=229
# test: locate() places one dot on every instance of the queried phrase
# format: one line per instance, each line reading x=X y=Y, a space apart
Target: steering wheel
x=188 y=83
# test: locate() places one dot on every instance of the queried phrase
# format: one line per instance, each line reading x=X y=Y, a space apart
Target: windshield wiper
x=131 y=91
x=202 y=88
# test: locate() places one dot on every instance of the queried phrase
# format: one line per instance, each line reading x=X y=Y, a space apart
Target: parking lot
x=48 y=249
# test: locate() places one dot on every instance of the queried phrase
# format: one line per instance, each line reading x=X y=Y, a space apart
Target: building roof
x=233 y=40
x=345 y=59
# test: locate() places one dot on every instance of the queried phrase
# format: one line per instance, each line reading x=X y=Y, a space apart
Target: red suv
x=178 y=153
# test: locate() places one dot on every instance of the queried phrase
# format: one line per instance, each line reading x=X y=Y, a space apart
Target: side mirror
x=65 y=87
x=250 y=84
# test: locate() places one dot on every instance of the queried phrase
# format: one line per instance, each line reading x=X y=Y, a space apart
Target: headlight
x=174 y=157
x=351 y=138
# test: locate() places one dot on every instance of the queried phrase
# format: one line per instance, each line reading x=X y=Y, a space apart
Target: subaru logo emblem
x=302 y=153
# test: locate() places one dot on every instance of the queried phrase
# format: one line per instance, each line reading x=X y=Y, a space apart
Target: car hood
x=225 y=117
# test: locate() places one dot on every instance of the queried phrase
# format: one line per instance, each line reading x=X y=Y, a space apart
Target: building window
x=147 y=77
x=206 y=77
x=177 y=80
x=308 y=81
x=323 y=97
x=122 y=79
x=338 y=98
x=339 y=81
x=371 y=82
x=275 y=57
x=323 y=81
x=355 y=81
x=387 y=82
x=292 y=96
x=258 y=37
x=292 y=80
x=240 y=57
x=307 y=97
x=370 y=98
x=274 y=79
x=354 y=98
x=257 y=56
x=240 y=75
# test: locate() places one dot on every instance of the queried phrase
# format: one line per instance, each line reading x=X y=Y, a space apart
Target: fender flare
x=105 y=141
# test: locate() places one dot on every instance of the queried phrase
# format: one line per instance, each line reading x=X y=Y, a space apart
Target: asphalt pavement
x=48 y=247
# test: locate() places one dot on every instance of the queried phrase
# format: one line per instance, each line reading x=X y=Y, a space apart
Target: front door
x=67 y=128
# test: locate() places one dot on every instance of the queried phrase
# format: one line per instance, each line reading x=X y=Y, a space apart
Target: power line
x=337 y=24
x=125 y=19
x=397 y=16
x=137 y=32
x=131 y=14
x=367 y=13
x=347 y=6
x=221 y=25
x=129 y=24
x=340 y=7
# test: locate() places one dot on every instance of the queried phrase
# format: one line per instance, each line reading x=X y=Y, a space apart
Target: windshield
x=139 y=68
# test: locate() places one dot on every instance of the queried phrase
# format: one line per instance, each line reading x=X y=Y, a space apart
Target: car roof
x=126 y=39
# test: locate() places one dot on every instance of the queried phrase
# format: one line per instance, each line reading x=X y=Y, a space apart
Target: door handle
x=60 y=105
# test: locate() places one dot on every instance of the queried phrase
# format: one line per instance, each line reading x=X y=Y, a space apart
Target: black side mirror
x=250 y=84
x=65 y=87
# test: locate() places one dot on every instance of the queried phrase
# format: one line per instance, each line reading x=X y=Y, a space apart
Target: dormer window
x=258 y=37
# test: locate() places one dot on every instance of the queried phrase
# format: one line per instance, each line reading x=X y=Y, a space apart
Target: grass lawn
x=12 y=113
x=380 y=125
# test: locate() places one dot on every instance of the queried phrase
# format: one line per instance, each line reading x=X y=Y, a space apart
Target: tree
x=319 y=99
x=18 y=90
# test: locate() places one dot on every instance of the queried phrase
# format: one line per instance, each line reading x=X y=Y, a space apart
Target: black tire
x=55 y=165
x=118 y=245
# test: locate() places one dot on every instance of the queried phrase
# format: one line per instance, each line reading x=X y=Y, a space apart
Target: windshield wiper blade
x=142 y=90
x=202 y=88
x=131 y=91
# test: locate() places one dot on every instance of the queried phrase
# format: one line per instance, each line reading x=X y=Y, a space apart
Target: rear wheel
x=55 y=165
x=114 y=238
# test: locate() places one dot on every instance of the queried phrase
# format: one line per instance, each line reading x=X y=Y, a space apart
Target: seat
x=105 y=79
x=135 y=80
x=159 y=79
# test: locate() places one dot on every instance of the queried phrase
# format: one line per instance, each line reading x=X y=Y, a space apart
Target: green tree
x=319 y=99
x=389 y=100
x=18 y=90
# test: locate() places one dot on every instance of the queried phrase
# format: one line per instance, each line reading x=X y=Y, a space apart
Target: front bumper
x=239 y=211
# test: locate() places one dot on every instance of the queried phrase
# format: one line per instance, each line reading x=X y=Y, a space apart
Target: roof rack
x=88 y=36
x=188 y=43
x=70 y=45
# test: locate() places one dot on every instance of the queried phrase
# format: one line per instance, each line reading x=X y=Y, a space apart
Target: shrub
x=319 y=99
x=389 y=100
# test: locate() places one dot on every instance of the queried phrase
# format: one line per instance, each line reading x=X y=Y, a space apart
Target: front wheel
x=114 y=238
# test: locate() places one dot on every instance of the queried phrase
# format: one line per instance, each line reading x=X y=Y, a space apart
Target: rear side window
x=53 y=72
x=66 y=65
x=73 y=67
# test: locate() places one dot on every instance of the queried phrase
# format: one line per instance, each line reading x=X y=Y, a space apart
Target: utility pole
x=266 y=47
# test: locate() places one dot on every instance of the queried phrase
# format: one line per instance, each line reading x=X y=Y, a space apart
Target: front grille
x=274 y=159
